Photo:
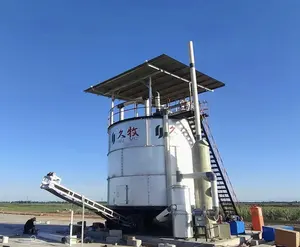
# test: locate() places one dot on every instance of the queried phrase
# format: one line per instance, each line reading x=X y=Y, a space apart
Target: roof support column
x=147 y=109
x=136 y=114
x=121 y=114
x=111 y=119
x=150 y=94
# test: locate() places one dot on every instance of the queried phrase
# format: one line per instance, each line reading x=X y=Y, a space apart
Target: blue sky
x=51 y=50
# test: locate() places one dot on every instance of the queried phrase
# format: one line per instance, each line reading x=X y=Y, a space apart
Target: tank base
x=143 y=217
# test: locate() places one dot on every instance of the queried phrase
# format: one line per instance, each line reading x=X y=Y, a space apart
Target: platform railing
x=126 y=110
x=117 y=114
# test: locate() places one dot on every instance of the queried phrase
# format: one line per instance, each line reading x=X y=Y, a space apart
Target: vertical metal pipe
x=147 y=122
x=111 y=120
x=136 y=110
x=167 y=156
x=71 y=227
x=121 y=117
x=108 y=190
x=195 y=93
x=147 y=109
x=157 y=102
x=82 y=221
x=191 y=97
x=150 y=94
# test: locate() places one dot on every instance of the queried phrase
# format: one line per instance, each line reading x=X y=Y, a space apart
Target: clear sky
x=50 y=51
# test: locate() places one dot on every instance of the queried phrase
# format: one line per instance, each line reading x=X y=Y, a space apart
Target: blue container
x=237 y=227
x=269 y=231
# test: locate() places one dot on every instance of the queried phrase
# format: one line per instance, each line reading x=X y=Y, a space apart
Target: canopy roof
x=169 y=77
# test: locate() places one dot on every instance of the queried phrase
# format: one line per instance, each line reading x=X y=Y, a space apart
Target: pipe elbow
x=213 y=213
x=179 y=176
x=211 y=176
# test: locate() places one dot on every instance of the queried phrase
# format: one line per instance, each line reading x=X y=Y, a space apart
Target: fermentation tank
x=136 y=162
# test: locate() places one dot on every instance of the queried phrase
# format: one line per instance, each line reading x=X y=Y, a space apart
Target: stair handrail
x=219 y=159
x=53 y=183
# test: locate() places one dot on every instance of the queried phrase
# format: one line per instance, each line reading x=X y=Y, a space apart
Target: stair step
x=225 y=199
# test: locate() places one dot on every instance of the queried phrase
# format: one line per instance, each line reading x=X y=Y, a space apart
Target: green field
x=42 y=208
x=273 y=212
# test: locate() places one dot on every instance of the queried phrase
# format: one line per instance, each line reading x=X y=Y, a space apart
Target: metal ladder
x=52 y=185
x=227 y=196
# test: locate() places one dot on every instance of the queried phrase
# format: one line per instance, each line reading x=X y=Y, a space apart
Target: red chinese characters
x=132 y=132
x=172 y=128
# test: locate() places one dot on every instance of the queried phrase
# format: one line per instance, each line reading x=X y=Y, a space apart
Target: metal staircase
x=51 y=183
x=227 y=197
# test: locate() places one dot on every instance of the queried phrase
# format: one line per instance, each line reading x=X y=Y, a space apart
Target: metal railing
x=130 y=110
x=220 y=161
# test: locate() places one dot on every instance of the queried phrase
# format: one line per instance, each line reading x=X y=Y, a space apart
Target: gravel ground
x=12 y=226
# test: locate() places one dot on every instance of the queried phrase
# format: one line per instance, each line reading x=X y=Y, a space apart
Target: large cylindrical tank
x=136 y=161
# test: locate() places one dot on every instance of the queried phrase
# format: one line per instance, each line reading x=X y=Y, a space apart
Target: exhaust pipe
x=211 y=177
x=164 y=215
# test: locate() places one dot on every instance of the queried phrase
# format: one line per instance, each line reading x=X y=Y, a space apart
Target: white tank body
x=136 y=161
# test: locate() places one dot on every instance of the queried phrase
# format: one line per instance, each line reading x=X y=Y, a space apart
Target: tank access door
x=122 y=195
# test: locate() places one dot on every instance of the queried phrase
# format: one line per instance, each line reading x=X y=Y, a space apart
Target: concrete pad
x=255 y=242
x=131 y=238
x=50 y=236
x=97 y=235
x=12 y=226
x=134 y=242
x=268 y=245
x=115 y=233
x=112 y=239
x=156 y=241
x=170 y=245
x=257 y=236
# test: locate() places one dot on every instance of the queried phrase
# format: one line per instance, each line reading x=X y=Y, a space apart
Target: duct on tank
x=164 y=215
